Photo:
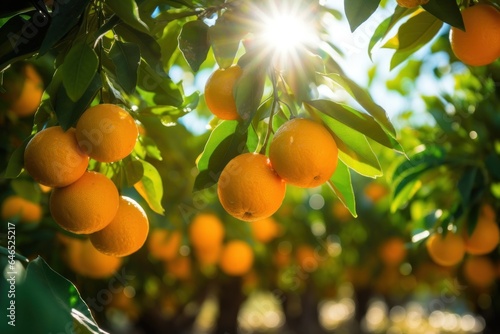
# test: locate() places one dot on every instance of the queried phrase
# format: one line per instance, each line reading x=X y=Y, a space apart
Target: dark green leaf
x=150 y=187
x=193 y=43
x=16 y=161
x=492 y=162
x=134 y=171
x=466 y=185
x=363 y=98
x=226 y=141
x=126 y=58
x=27 y=189
x=225 y=39
x=169 y=41
x=67 y=111
x=159 y=83
x=78 y=70
x=432 y=156
x=65 y=16
x=447 y=11
x=341 y=185
x=127 y=10
x=354 y=119
x=413 y=34
x=358 y=11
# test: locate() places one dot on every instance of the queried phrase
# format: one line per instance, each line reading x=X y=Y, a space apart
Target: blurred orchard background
x=316 y=266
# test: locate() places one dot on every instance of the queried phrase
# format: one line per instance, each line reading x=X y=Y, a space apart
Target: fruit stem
x=273 y=107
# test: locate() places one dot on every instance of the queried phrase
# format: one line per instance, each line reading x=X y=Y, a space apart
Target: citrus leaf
x=78 y=70
x=358 y=11
x=225 y=39
x=68 y=111
x=16 y=161
x=413 y=34
x=385 y=26
x=432 y=156
x=341 y=184
x=126 y=58
x=362 y=97
x=405 y=194
x=356 y=120
x=354 y=149
x=193 y=43
x=63 y=18
x=134 y=171
x=226 y=141
x=160 y=84
x=447 y=11
x=128 y=11
x=150 y=187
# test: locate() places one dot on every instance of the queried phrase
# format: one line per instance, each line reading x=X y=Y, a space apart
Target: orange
x=265 y=230
x=411 y=3
x=53 y=158
x=85 y=206
x=485 y=237
x=479 y=44
x=219 y=95
x=206 y=231
x=24 y=97
x=479 y=271
x=17 y=207
x=126 y=233
x=106 y=132
x=393 y=251
x=208 y=256
x=340 y=212
x=83 y=259
x=375 y=191
x=249 y=189
x=179 y=267
x=307 y=258
x=446 y=251
x=303 y=153
x=164 y=244
x=236 y=258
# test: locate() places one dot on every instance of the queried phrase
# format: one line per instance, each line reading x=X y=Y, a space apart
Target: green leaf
x=385 y=26
x=78 y=70
x=193 y=43
x=249 y=88
x=126 y=58
x=159 y=83
x=127 y=10
x=466 y=184
x=64 y=17
x=432 y=156
x=169 y=42
x=68 y=111
x=447 y=11
x=492 y=162
x=41 y=285
x=16 y=161
x=341 y=184
x=27 y=189
x=226 y=141
x=362 y=97
x=405 y=194
x=354 y=149
x=356 y=120
x=134 y=171
x=413 y=34
x=150 y=187
x=358 y=11
x=224 y=37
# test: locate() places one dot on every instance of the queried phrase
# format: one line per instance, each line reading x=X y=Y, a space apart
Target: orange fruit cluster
x=479 y=44
x=451 y=249
x=87 y=202
x=252 y=186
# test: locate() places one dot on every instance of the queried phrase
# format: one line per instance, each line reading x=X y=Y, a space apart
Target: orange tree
x=146 y=56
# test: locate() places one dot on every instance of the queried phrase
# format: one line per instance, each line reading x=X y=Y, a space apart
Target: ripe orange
x=479 y=44
x=179 y=267
x=303 y=153
x=307 y=258
x=219 y=92
x=53 y=157
x=485 y=237
x=23 y=97
x=85 y=206
x=18 y=207
x=340 y=212
x=265 y=230
x=126 y=233
x=411 y=3
x=249 y=189
x=83 y=259
x=375 y=191
x=479 y=271
x=446 y=251
x=106 y=132
x=393 y=251
x=164 y=244
x=208 y=256
x=236 y=258
x=206 y=231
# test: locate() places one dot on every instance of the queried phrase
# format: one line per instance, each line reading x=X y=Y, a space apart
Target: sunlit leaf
x=341 y=185
x=127 y=10
x=358 y=11
x=150 y=187
x=224 y=37
x=78 y=70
